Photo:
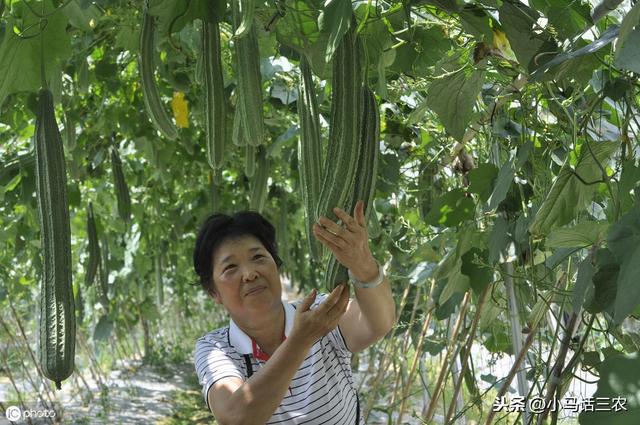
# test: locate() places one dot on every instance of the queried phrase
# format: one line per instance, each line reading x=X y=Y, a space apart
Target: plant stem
x=467 y=352
x=444 y=368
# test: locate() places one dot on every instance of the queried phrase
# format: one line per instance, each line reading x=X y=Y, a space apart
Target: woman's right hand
x=311 y=325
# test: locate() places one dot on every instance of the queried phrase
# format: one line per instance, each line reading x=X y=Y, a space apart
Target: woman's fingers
x=307 y=302
x=330 y=240
x=350 y=222
x=340 y=306
x=358 y=213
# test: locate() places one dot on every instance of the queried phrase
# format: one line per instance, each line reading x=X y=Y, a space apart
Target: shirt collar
x=243 y=343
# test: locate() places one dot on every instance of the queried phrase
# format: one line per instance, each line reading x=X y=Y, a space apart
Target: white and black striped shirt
x=321 y=392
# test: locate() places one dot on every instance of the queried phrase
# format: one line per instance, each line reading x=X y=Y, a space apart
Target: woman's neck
x=268 y=331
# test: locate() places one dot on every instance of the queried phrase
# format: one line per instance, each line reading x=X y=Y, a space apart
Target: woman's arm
x=373 y=312
x=234 y=402
x=369 y=317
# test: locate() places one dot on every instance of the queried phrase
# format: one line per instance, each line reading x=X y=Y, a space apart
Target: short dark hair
x=218 y=228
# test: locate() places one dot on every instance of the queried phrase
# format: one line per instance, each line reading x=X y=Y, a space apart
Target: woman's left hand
x=349 y=242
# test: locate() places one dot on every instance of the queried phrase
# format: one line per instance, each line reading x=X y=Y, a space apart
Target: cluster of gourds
x=346 y=173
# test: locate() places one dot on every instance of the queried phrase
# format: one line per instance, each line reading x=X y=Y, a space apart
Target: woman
x=278 y=362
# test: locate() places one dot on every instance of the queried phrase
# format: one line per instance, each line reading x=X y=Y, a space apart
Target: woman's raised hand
x=350 y=242
x=311 y=325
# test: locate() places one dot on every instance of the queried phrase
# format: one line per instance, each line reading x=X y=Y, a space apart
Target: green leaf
x=583 y=282
x=481 y=180
x=506 y=175
x=568 y=194
x=476 y=22
x=457 y=283
x=451 y=209
x=81 y=17
x=630 y=21
x=517 y=21
x=335 y=19
x=503 y=182
x=150 y=310
x=13 y=183
x=499 y=340
x=619 y=378
x=422 y=49
x=581 y=235
x=591 y=358
x=628 y=56
x=375 y=35
x=20 y=58
x=453 y=96
x=103 y=329
x=624 y=242
x=568 y=17
x=602 y=294
x=498 y=241
x=298 y=28
x=628 y=181
x=628 y=293
x=474 y=266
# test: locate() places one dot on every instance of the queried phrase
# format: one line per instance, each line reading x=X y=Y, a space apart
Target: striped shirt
x=322 y=390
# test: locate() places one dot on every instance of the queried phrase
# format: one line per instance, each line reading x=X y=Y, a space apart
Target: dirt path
x=136 y=394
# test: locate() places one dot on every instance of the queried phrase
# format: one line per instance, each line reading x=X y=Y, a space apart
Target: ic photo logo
x=14 y=413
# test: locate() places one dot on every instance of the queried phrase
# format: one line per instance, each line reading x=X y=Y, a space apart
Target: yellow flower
x=180 y=109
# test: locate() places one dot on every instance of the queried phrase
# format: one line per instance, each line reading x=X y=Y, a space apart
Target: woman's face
x=246 y=278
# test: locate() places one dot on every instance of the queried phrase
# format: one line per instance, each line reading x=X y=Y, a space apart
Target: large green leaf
x=82 y=17
x=568 y=194
x=624 y=242
x=477 y=22
x=103 y=329
x=630 y=21
x=583 y=282
x=602 y=294
x=581 y=235
x=481 y=180
x=628 y=56
x=298 y=28
x=568 y=17
x=506 y=175
x=20 y=54
x=499 y=241
x=452 y=97
x=475 y=266
x=619 y=383
x=517 y=21
x=451 y=209
x=423 y=47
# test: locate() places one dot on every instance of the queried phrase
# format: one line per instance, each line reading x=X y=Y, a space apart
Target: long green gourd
x=57 y=330
x=247 y=10
x=343 y=150
x=249 y=81
x=154 y=106
x=309 y=152
x=120 y=184
x=93 y=247
x=365 y=182
x=103 y=268
x=344 y=133
x=259 y=187
x=365 y=177
x=215 y=102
